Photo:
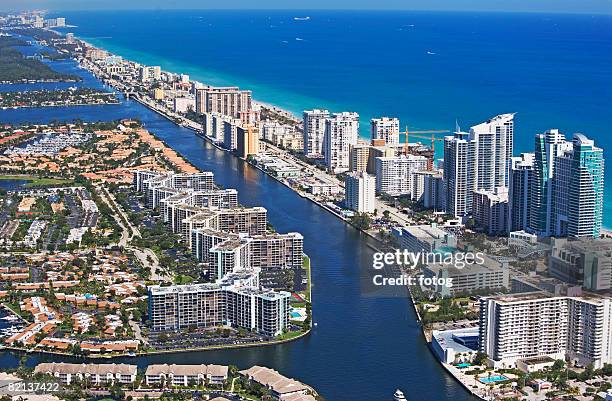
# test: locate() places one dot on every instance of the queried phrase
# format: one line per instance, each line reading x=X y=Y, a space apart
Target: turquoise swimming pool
x=492 y=379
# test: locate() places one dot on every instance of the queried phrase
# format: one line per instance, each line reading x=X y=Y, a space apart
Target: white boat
x=301 y=18
x=399 y=395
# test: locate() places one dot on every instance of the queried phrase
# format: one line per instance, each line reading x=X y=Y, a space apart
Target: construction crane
x=420 y=134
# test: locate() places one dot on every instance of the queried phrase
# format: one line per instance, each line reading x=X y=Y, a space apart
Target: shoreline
x=193 y=126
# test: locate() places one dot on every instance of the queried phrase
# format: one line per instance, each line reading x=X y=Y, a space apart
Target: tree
x=480 y=358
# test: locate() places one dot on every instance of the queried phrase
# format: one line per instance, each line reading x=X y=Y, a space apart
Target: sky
x=551 y=6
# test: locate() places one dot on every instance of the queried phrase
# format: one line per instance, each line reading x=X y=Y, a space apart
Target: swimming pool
x=295 y=314
x=492 y=379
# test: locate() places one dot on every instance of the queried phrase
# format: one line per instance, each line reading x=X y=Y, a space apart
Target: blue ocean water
x=427 y=68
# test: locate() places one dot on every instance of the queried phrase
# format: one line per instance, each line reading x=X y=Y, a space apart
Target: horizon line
x=362 y=9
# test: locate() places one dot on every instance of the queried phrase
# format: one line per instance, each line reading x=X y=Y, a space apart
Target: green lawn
x=306 y=266
x=34 y=182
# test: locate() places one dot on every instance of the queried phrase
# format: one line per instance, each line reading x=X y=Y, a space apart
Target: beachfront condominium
x=523 y=326
x=359 y=155
x=543 y=217
x=150 y=73
x=490 y=210
x=428 y=189
x=360 y=192
x=586 y=188
x=494 y=143
x=385 y=128
x=395 y=175
x=459 y=172
x=314 y=132
x=478 y=160
x=521 y=173
x=229 y=101
x=341 y=133
x=567 y=186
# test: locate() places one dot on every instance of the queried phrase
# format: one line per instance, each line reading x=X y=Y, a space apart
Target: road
x=145 y=256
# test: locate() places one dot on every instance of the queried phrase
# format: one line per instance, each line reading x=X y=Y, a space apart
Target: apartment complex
x=395 y=175
x=490 y=210
x=385 y=128
x=104 y=373
x=567 y=188
x=233 y=301
x=233 y=242
x=247 y=141
x=478 y=160
x=228 y=101
x=341 y=133
x=360 y=192
x=314 y=132
x=522 y=326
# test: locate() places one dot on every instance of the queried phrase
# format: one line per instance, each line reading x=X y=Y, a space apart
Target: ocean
x=430 y=69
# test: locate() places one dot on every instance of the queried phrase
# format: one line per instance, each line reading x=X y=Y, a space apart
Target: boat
x=301 y=18
x=431 y=53
x=399 y=395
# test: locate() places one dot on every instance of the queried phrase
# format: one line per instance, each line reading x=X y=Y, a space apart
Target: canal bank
x=365 y=344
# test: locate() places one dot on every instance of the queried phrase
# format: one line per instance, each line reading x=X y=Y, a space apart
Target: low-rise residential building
x=280 y=386
x=185 y=375
x=98 y=374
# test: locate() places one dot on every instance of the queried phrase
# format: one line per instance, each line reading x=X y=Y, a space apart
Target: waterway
x=366 y=343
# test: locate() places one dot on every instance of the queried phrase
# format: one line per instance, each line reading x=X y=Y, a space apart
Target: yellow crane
x=420 y=134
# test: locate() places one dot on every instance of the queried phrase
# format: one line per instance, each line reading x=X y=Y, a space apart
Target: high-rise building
x=247 y=139
x=494 y=143
x=567 y=190
x=150 y=73
x=314 y=132
x=478 y=160
x=459 y=173
x=359 y=158
x=228 y=101
x=230 y=134
x=428 y=189
x=523 y=326
x=385 y=128
x=395 y=175
x=586 y=188
x=490 y=210
x=548 y=146
x=521 y=173
x=234 y=301
x=360 y=192
x=341 y=133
